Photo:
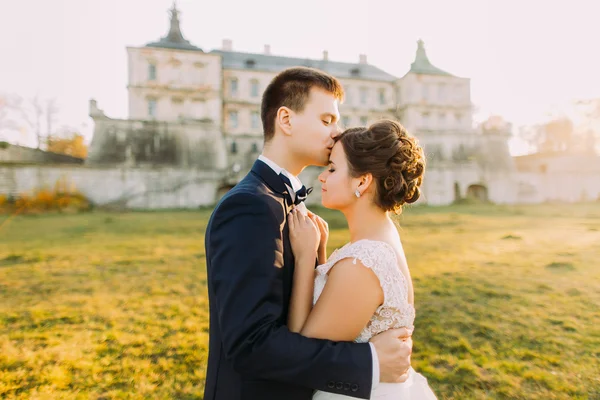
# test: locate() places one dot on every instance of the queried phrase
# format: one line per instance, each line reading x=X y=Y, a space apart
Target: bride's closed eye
x=331 y=169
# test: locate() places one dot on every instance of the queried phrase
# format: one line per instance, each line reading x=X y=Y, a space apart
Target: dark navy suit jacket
x=250 y=266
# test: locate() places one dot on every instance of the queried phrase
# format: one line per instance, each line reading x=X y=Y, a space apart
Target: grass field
x=114 y=306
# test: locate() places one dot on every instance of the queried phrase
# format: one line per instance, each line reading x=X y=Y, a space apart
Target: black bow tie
x=301 y=194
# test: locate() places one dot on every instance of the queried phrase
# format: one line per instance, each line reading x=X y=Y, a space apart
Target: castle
x=194 y=130
x=200 y=110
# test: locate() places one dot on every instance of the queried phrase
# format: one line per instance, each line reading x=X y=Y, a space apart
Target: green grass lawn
x=114 y=305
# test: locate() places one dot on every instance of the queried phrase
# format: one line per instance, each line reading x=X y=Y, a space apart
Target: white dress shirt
x=297 y=185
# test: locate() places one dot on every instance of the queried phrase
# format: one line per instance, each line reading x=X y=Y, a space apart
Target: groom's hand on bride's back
x=394 y=348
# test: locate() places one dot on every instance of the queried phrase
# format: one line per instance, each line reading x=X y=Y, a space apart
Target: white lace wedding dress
x=395 y=312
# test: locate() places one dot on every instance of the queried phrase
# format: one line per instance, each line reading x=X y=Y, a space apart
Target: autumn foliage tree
x=71 y=144
x=577 y=131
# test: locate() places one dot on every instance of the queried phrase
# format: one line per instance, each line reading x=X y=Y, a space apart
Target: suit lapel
x=266 y=174
x=272 y=180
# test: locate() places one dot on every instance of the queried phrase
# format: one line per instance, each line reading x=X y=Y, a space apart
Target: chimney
x=362 y=58
x=325 y=55
x=227 y=45
x=268 y=49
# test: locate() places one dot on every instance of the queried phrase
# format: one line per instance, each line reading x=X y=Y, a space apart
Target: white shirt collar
x=296 y=183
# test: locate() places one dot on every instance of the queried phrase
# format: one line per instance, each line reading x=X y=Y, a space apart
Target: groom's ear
x=284 y=120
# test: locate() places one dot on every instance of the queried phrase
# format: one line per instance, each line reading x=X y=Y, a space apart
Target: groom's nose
x=335 y=132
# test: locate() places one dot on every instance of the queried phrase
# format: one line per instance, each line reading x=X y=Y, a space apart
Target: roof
x=422 y=65
x=174 y=39
x=266 y=62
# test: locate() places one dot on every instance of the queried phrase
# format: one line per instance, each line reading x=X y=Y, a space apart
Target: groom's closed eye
x=328 y=119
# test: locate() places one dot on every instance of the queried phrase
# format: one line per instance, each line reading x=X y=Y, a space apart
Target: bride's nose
x=322 y=177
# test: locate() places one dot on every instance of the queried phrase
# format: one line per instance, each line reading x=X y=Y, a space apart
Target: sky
x=525 y=58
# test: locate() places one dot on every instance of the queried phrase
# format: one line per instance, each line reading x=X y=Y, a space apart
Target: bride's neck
x=366 y=221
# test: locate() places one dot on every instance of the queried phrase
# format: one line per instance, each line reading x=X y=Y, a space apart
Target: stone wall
x=135 y=188
x=10 y=153
x=132 y=143
x=169 y=187
x=558 y=177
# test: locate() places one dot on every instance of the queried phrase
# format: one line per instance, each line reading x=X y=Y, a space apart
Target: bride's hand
x=304 y=235
x=323 y=230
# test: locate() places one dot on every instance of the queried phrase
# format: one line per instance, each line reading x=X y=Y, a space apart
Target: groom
x=250 y=265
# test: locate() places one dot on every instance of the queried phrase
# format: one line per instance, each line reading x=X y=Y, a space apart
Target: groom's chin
x=322 y=163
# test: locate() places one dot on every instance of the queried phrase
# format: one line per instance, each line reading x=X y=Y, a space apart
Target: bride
x=364 y=288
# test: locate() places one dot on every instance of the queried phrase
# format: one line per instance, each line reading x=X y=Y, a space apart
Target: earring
x=357 y=193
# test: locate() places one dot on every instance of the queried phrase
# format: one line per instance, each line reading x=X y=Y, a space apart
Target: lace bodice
x=396 y=311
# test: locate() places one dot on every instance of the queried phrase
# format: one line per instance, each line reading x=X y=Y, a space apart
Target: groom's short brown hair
x=290 y=88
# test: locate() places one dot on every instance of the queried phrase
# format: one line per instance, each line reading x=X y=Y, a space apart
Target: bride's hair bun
x=392 y=156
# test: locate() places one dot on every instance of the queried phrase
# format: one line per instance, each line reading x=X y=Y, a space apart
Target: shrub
x=61 y=198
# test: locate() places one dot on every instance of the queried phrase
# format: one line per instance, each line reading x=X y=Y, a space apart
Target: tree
x=588 y=115
x=67 y=142
x=36 y=116
x=36 y=113
x=8 y=125
x=556 y=135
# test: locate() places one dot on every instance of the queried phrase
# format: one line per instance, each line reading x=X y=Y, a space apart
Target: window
x=458 y=96
x=348 y=96
x=441 y=119
x=233 y=87
x=345 y=122
x=435 y=152
x=151 y=72
x=363 y=121
x=458 y=117
x=177 y=103
x=425 y=91
x=233 y=119
x=254 y=88
x=442 y=92
x=198 y=73
x=198 y=109
x=175 y=71
x=382 y=97
x=152 y=108
x=425 y=119
x=234 y=148
x=254 y=147
x=363 y=95
x=255 y=120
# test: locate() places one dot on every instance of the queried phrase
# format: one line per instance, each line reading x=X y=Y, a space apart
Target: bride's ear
x=365 y=182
